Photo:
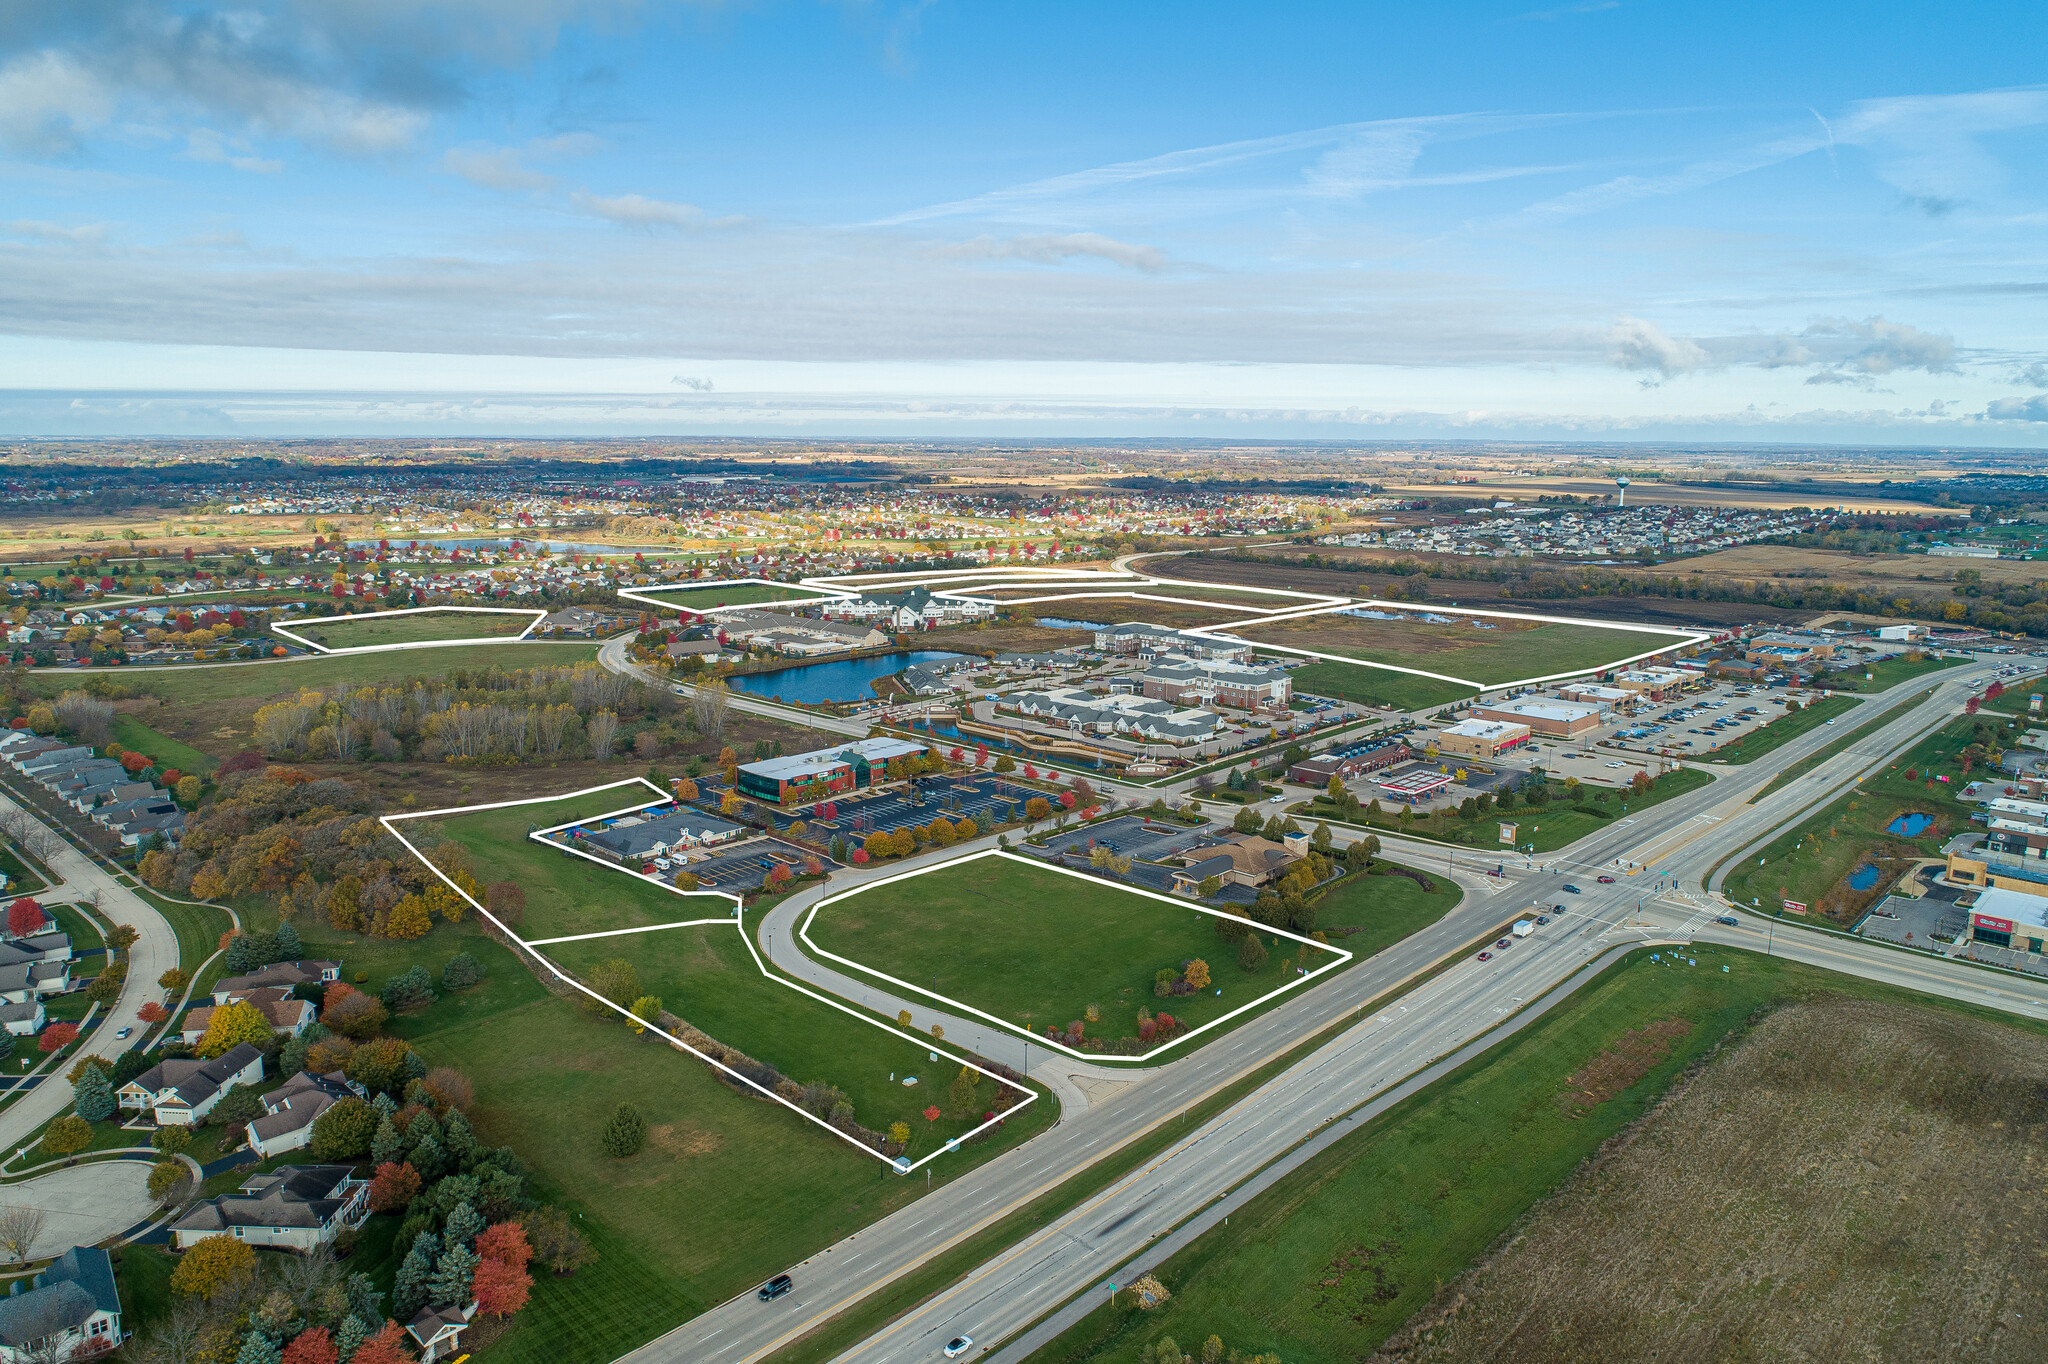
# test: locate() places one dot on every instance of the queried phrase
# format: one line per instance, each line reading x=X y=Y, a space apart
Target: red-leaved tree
x=386 y=1347
x=56 y=1037
x=506 y=1243
x=152 y=1012
x=24 y=916
x=499 y=1288
x=393 y=1186
x=312 y=1347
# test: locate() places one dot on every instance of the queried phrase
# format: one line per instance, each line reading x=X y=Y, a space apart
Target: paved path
x=80 y=877
x=85 y=1204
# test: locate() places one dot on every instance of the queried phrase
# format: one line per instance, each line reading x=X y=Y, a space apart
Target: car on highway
x=1571 y=889
x=775 y=1288
x=1542 y=919
x=959 y=1345
x=1503 y=943
x=122 y=1032
x=1606 y=880
x=1728 y=919
x=1486 y=956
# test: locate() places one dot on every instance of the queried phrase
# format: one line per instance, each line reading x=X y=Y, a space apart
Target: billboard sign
x=1794 y=906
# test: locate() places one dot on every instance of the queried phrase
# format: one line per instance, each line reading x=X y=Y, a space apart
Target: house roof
x=631 y=840
x=28 y=1317
x=16 y=1013
x=303 y=1196
x=283 y=973
x=91 y=1269
x=432 y=1322
x=295 y=1104
x=194 y=1081
x=1245 y=852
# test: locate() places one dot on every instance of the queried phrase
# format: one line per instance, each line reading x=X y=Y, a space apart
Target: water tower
x=1621 y=482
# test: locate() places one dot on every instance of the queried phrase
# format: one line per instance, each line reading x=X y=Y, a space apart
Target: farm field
x=740 y=594
x=1812 y=863
x=1335 y=1258
x=706 y=976
x=1789 y=1205
x=1784 y=729
x=1503 y=651
x=1037 y=948
x=1109 y=609
x=356 y=632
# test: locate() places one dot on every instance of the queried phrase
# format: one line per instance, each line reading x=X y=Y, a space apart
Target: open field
x=1640 y=610
x=1038 y=948
x=1366 y=914
x=706 y=977
x=1867 y=572
x=273 y=677
x=356 y=632
x=1853 y=1182
x=1812 y=863
x=130 y=732
x=740 y=594
x=1493 y=650
x=1784 y=730
x=1180 y=614
x=1333 y=1259
x=1546 y=827
x=1376 y=686
x=1893 y=671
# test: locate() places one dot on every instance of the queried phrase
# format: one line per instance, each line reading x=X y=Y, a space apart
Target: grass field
x=1367 y=914
x=1811 y=863
x=1842 y=1185
x=1784 y=729
x=356 y=632
x=198 y=927
x=706 y=976
x=1548 y=827
x=202 y=683
x=1895 y=670
x=1038 y=948
x=22 y=879
x=1504 y=651
x=1374 y=687
x=1335 y=1257
x=742 y=594
x=565 y=894
x=165 y=751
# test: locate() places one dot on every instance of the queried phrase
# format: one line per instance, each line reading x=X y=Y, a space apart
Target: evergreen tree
x=242 y=954
x=409 y=1292
x=460 y=1138
x=465 y=1224
x=385 y=1104
x=452 y=1277
x=349 y=1337
x=423 y=1126
x=387 y=1144
x=93 y=1097
x=285 y=944
x=625 y=1132
x=430 y=1160
x=365 y=1303
x=415 y=1065
x=258 y=1348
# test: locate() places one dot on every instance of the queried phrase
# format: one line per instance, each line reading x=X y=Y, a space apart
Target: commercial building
x=1595 y=693
x=2001 y=917
x=1482 y=738
x=636 y=838
x=1151 y=641
x=805 y=778
x=1551 y=719
x=1203 y=682
x=1144 y=718
x=1318 y=771
x=1658 y=684
x=1417 y=786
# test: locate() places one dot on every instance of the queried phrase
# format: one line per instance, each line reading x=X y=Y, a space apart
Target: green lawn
x=1486 y=657
x=742 y=594
x=1376 y=686
x=162 y=749
x=1783 y=730
x=1036 y=947
x=1812 y=862
x=566 y=894
x=84 y=931
x=198 y=927
x=199 y=684
x=1893 y=671
x=706 y=976
x=22 y=879
x=355 y=632
x=1337 y=1255
x=1548 y=827
x=1383 y=909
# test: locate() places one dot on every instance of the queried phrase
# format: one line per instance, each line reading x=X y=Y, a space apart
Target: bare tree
x=180 y=1338
x=19 y=1228
x=708 y=709
x=602 y=729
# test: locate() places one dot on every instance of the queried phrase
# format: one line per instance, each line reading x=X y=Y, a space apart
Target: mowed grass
x=198 y=927
x=197 y=683
x=1380 y=910
x=1036 y=947
x=1375 y=686
x=706 y=976
x=132 y=733
x=1325 y=1265
x=1792 y=772
x=740 y=594
x=565 y=894
x=1547 y=827
x=1783 y=730
x=1895 y=670
x=1504 y=651
x=358 y=632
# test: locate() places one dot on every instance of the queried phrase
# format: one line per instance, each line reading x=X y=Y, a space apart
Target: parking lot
x=954 y=797
x=740 y=866
x=1134 y=836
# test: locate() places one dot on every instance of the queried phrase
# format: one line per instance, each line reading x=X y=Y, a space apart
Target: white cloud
x=91 y=234
x=496 y=168
x=1056 y=248
x=637 y=210
x=204 y=144
x=2034 y=409
x=1887 y=346
x=49 y=101
x=1638 y=345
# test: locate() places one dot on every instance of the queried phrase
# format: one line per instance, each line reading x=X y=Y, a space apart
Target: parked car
x=775 y=1288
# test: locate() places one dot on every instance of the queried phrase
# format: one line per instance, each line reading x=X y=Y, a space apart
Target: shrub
x=352 y=1013
x=211 y=1263
x=625 y=1132
x=462 y=972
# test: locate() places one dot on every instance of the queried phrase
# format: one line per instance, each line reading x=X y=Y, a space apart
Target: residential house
x=285 y=1014
x=23 y=1020
x=182 y=1090
x=69 y=1310
x=290 y=1110
x=279 y=975
x=25 y=980
x=294 y=1207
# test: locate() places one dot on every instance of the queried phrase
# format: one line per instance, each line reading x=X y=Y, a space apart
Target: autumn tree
x=556 y=1242
x=232 y=1025
x=393 y=1187
x=1197 y=974
x=352 y=1013
x=613 y=979
x=25 y=917
x=212 y=1262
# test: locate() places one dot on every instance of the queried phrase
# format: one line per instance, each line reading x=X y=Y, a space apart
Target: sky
x=1612 y=220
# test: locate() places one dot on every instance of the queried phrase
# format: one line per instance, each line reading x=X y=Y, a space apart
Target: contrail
x=1831 y=139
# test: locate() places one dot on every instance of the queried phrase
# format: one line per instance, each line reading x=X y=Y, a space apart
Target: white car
x=959 y=1345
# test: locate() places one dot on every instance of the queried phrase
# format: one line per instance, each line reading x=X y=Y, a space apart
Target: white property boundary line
x=1150 y=1057
x=805 y=585
x=537 y=614
x=901 y=1165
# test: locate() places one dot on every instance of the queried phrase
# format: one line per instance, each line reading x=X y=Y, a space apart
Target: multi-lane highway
x=1661 y=859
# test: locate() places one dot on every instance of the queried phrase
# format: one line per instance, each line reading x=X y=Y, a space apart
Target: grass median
x=1783 y=730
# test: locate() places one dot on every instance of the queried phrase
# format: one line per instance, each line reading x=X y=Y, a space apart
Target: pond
x=1062 y=623
x=844 y=680
x=1910 y=825
x=1864 y=877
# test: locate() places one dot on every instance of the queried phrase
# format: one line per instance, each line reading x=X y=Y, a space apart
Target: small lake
x=1864 y=877
x=1909 y=825
x=844 y=680
x=1061 y=623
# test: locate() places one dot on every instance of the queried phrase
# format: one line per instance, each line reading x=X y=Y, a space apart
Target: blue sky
x=1621 y=221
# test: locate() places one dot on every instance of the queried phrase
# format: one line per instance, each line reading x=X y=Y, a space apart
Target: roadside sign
x=1794 y=906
